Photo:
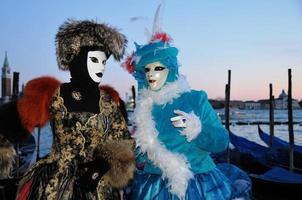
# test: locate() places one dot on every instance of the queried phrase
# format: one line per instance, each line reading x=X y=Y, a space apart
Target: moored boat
x=277 y=142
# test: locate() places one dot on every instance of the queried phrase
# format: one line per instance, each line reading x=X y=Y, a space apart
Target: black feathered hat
x=74 y=34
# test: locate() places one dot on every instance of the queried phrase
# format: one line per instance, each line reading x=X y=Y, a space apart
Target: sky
x=258 y=40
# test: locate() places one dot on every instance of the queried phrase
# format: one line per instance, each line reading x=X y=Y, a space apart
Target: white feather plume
x=174 y=167
x=156 y=28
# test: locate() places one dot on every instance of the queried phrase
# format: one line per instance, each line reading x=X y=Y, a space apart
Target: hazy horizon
x=257 y=40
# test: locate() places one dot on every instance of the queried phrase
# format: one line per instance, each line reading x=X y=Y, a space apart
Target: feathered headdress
x=158 y=49
x=158 y=42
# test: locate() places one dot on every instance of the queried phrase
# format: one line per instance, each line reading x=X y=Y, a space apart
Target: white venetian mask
x=156 y=75
x=96 y=61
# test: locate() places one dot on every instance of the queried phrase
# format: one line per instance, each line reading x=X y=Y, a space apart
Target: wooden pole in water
x=133 y=96
x=38 y=145
x=15 y=97
x=271 y=114
x=290 y=121
x=227 y=101
x=226 y=118
x=15 y=85
x=227 y=109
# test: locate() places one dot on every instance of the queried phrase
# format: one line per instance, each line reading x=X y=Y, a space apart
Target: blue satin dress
x=209 y=181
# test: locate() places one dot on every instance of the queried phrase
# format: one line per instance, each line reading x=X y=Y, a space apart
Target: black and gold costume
x=91 y=156
x=76 y=137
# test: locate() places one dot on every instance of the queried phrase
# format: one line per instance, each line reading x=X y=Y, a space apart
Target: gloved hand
x=179 y=121
x=190 y=123
x=91 y=173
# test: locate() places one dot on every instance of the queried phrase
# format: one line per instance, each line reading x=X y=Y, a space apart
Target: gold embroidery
x=76 y=135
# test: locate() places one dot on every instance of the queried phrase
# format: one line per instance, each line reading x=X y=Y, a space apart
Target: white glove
x=190 y=123
x=179 y=121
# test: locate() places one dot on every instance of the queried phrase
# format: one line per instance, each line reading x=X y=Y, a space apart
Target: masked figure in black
x=91 y=156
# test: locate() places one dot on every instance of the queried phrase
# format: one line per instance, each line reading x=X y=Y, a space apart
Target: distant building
x=237 y=104
x=217 y=104
x=8 y=92
x=264 y=103
x=252 y=105
x=281 y=102
x=6 y=79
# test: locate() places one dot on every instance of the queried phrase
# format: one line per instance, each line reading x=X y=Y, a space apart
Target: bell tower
x=6 y=79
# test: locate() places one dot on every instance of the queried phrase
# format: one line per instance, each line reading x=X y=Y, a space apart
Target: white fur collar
x=174 y=166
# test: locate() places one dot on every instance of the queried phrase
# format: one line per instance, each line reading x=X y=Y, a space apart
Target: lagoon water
x=248 y=131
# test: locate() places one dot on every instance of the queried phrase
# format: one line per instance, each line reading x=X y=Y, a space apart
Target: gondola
x=269 y=181
x=25 y=149
x=265 y=155
x=277 y=183
x=277 y=142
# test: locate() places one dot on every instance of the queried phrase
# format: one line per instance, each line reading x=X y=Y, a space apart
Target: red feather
x=161 y=36
x=33 y=106
x=128 y=64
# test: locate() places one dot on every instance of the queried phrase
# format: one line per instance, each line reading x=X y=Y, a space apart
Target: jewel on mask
x=76 y=95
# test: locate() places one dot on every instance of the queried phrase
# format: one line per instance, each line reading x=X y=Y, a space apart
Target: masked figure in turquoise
x=176 y=130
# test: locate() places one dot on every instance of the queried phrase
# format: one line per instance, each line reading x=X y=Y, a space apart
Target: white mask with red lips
x=96 y=61
x=156 y=75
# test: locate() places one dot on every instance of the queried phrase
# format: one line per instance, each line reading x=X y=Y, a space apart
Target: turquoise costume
x=213 y=137
x=170 y=166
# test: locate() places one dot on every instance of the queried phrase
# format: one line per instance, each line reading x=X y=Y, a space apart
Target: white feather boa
x=174 y=167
